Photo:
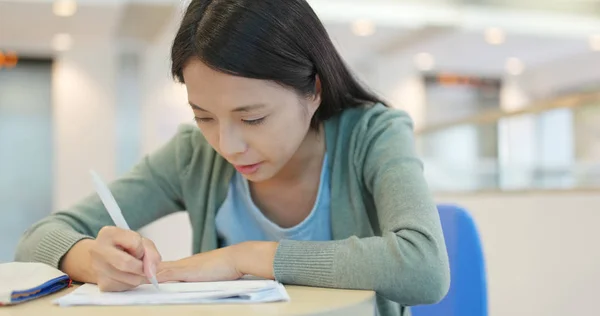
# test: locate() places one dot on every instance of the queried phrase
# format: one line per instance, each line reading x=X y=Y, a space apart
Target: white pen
x=113 y=210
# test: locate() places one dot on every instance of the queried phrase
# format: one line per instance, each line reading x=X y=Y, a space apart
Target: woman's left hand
x=229 y=263
x=216 y=265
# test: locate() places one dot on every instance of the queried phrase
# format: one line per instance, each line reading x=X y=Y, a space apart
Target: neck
x=307 y=158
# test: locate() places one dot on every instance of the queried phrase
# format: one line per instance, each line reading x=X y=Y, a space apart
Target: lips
x=248 y=169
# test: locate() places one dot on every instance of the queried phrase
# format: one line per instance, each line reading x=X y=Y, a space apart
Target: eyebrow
x=244 y=108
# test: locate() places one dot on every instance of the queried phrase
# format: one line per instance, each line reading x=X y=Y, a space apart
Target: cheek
x=288 y=132
x=212 y=137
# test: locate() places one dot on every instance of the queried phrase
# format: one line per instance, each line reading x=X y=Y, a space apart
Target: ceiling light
x=62 y=42
x=494 y=36
x=424 y=61
x=595 y=42
x=363 y=27
x=514 y=66
x=64 y=8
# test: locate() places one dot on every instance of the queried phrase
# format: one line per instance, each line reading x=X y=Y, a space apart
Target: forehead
x=206 y=85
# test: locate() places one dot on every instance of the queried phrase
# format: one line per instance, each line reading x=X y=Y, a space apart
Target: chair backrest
x=468 y=289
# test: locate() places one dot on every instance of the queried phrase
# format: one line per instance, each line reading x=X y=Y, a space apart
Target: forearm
x=255 y=258
x=77 y=263
x=405 y=268
x=48 y=240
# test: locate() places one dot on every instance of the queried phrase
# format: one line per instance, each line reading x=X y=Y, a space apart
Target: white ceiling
x=457 y=45
x=464 y=51
x=28 y=27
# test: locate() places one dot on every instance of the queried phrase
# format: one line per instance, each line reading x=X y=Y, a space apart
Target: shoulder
x=187 y=141
x=189 y=137
x=372 y=137
x=379 y=116
x=377 y=122
x=370 y=142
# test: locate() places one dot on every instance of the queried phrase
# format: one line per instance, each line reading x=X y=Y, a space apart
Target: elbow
x=437 y=278
x=23 y=252
x=423 y=285
x=434 y=272
x=431 y=283
x=423 y=281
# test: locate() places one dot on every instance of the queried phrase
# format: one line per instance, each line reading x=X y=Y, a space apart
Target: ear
x=318 y=90
x=315 y=100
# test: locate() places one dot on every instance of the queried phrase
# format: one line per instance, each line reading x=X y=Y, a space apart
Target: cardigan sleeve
x=408 y=262
x=151 y=190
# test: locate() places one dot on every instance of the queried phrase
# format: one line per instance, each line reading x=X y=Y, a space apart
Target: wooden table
x=304 y=301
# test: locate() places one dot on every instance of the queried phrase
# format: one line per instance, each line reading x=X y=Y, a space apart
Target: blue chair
x=468 y=289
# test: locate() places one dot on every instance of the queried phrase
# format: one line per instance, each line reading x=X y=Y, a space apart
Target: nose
x=231 y=141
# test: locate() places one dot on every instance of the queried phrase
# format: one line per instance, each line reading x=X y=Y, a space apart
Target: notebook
x=223 y=292
x=25 y=281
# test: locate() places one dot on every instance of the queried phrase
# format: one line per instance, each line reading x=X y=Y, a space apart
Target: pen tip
x=154 y=282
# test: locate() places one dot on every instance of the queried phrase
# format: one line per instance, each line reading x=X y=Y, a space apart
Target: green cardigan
x=386 y=229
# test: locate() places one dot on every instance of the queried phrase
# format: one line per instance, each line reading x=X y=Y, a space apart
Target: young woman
x=295 y=172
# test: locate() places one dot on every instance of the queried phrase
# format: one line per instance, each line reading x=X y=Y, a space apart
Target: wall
x=83 y=119
x=164 y=108
x=81 y=135
x=26 y=156
x=128 y=107
x=540 y=249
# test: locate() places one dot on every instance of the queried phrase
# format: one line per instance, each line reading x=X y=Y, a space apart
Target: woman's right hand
x=117 y=260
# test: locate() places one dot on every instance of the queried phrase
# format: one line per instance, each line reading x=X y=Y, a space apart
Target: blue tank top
x=239 y=219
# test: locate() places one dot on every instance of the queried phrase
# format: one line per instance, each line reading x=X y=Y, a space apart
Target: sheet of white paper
x=240 y=291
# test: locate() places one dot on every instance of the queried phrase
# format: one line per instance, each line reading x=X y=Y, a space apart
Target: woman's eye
x=203 y=119
x=254 y=122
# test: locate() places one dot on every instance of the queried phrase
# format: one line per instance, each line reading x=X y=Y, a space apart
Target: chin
x=255 y=178
x=258 y=176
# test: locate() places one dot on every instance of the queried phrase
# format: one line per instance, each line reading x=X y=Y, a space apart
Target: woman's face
x=256 y=125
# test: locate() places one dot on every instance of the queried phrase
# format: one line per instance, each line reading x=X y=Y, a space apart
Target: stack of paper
x=225 y=292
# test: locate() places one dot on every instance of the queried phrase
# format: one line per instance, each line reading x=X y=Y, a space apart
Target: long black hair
x=279 y=40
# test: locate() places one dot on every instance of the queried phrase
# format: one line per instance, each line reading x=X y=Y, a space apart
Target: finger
x=119 y=260
x=152 y=258
x=108 y=284
x=131 y=242
x=108 y=271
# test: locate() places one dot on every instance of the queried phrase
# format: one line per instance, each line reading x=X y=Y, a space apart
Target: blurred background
x=505 y=95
